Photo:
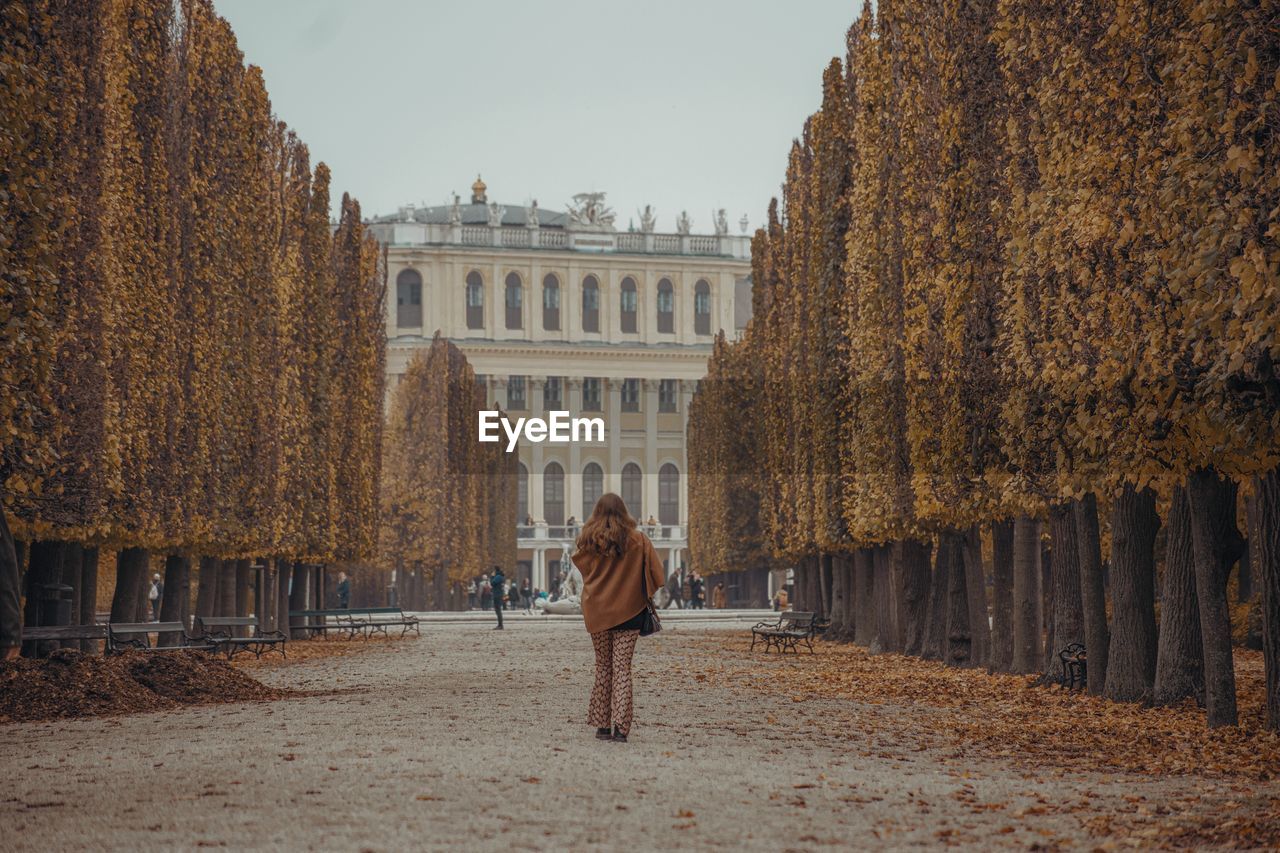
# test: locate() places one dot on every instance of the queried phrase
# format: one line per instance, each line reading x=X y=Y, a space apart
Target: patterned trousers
x=611 y=695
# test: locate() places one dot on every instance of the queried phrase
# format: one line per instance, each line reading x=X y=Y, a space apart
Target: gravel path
x=471 y=738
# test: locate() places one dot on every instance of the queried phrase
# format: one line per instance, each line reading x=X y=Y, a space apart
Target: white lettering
x=513 y=435
x=559 y=428
x=488 y=426
x=588 y=424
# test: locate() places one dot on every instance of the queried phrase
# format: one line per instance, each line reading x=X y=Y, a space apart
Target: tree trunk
x=935 y=631
x=1097 y=639
x=1266 y=538
x=72 y=558
x=959 y=642
x=864 y=586
x=1179 y=656
x=242 y=593
x=284 y=575
x=1131 y=660
x=913 y=557
x=1001 y=596
x=1068 y=618
x=131 y=573
x=1027 y=625
x=206 y=586
x=823 y=571
x=836 y=632
x=886 y=638
x=975 y=581
x=226 y=588
x=1216 y=546
x=1249 y=561
x=298 y=601
x=89 y=594
x=10 y=588
x=842 y=565
x=177 y=591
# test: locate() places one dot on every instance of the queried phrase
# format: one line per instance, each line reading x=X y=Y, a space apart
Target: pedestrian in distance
x=526 y=596
x=155 y=595
x=718 y=597
x=344 y=591
x=674 y=595
x=497 y=586
x=620 y=571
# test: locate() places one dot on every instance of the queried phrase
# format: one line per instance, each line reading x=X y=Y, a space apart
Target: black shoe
x=497 y=627
x=604 y=734
x=619 y=737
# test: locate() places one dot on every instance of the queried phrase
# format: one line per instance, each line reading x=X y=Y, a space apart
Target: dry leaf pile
x=70 y=684
x=1008 y=716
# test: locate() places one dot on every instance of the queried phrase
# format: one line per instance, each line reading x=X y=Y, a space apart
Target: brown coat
x=611 y=591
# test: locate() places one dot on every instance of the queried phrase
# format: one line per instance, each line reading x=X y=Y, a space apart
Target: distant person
x=526 y=596
x=620 y=570
x=718 y=597
x=155 y=595
x=344 y=591
x=780 y=599
x=497 y=585
x=486 y=593
x=674 y=595
x=698 y=588
x=472 y=588
x=528 y=521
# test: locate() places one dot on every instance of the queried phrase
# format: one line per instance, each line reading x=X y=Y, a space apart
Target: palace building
x=562 y=311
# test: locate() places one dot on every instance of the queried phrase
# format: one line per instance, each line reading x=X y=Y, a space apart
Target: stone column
x=535 y=480
x=613 y=475
x=573 y=476
x=650 y=407
x=498 y=393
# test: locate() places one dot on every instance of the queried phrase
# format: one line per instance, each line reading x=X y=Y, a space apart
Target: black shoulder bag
x=649 y=621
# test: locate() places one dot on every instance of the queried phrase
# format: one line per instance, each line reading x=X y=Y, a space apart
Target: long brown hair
x=608 y=529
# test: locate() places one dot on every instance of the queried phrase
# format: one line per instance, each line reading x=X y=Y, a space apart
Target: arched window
x=668 y=494
x=515 y=302
x=592 y=488
x=590 y=304
x=522 y=493
x=553 y=493
x=551 y=303
x=632 y=490
x=408 y=300
x=475 y=300
x=702 y=307
x=666 y=306
x=628 y=304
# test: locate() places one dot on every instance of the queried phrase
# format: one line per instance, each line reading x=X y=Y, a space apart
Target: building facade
x=562 y=311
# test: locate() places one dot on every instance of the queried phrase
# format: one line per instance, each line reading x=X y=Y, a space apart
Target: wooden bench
x=219 y=630
x=60 y=633
x=358 y=620
x=137 y=635
x=1075 y=666
x=786 y=634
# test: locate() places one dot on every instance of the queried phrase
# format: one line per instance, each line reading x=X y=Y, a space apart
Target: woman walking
x=620 y=570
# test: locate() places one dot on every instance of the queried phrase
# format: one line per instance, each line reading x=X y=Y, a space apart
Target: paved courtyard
x=471 y=738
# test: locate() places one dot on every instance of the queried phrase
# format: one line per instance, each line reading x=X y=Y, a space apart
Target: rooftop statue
x=683 y=224
x=722 y=224
x=496 y=212
x=647 y=219
x=455 y=212
x=531 y=214
x=588 y=210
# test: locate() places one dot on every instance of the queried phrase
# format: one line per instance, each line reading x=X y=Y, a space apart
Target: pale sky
x=682 y=104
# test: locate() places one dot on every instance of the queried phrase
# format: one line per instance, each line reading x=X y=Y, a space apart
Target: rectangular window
x=552 y=394
x=591 y=299
x=515 y=393
x=631 y=395
x=515 y=297
x=702 y=303
x=475 y=296
x=668 y=390
x=629 y=300
x=666 y=300
x=591 y=394
x=551 y=298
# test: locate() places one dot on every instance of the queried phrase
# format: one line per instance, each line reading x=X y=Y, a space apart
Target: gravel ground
x=474 y=739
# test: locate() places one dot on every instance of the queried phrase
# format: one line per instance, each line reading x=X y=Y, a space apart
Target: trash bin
x=393 y=598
